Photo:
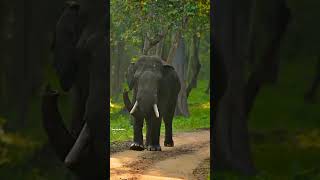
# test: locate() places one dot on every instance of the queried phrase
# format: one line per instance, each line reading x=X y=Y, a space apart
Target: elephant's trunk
x=126 y=100
x=133 y=108
x=81 y=143
x=69 y=149
x=58 y=135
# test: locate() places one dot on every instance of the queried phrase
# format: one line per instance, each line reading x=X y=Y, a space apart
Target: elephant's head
x=146 y=77
x=67 y=33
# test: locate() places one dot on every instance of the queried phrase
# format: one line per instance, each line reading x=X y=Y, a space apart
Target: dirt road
x=189 y=159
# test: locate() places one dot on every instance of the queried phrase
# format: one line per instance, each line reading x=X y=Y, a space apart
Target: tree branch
x=153 y=42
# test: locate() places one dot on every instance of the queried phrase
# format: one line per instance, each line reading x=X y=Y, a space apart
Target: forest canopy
x=159 y=28
x=132 y=20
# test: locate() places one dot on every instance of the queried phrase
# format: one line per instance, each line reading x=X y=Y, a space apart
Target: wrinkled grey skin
x=153 y=82
x=80 y=60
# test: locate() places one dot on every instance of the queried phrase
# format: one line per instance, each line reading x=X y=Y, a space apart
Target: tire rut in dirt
x=203 y=170
x=119 y=146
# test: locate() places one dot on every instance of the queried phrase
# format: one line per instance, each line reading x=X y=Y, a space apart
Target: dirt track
x=191 y=151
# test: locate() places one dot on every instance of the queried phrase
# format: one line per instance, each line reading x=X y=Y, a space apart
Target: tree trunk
x=116 y=88
x=4 y=41
x=267 y=70
x=17 y=68
x=194 y=67
x=178 y=63
x=230 y=134
x=151 y=46
x=208 y=88
x=146 y=45
x=159 y=48
x=28 y=53
x=173 y=48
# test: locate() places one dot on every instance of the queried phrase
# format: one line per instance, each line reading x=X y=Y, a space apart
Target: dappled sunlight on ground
x=114 y=107
x=205 y=105
x=16 y=139
x=283 y=154
x=310 y=139
x=14 y=146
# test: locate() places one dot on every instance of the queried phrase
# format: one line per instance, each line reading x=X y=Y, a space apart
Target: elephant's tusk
x=134 y=107
x=78 y=147
x=156 y=111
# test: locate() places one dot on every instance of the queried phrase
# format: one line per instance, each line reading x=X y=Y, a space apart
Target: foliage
x=135 y=22
x=155 y=17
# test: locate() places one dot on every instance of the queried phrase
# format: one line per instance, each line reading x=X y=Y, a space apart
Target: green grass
x=293 y=152
x=199 y=108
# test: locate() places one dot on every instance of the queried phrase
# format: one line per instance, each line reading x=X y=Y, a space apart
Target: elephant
x=80 y=61
x=155 y=86
x=233 y=92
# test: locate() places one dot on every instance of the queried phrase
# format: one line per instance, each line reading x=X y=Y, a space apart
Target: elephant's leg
x=137 y=123
x=167 y=118
x=154 y=128
x=137 y=144
x=148 y=136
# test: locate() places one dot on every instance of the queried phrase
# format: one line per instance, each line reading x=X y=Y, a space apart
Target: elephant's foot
x=168 y=143
x=136 y=146
x=154 y=148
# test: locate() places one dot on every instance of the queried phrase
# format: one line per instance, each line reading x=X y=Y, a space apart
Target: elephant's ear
x=130 y=75
x=169 y=75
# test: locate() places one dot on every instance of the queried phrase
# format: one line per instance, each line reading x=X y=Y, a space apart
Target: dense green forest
x=178 y=32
